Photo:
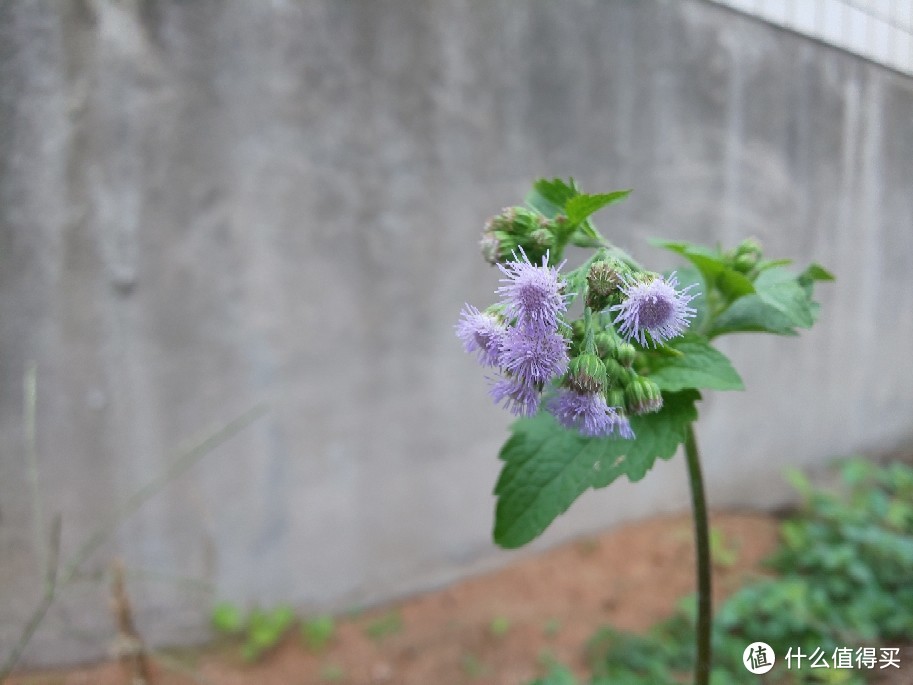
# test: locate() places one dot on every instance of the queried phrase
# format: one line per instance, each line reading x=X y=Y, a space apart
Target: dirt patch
x=495 y=629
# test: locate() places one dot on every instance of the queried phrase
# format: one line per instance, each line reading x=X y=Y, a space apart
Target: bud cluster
x=519 y=228
x=603 y=362
x=585 y=399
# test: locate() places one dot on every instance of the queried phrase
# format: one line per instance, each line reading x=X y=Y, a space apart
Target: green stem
x=702 y=543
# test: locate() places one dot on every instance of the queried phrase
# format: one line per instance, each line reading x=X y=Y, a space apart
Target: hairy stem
x=702 y=543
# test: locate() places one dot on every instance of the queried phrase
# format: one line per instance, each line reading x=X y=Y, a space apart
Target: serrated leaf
x=580 y=207
x=547 y=467
x=700 y=365
x=549 y=197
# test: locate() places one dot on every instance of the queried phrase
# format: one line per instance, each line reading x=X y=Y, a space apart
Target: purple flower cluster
x=589 y=413
x=521 y=337
x=524 y=343
x=655 y=307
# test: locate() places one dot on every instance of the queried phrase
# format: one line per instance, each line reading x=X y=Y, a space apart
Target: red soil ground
x=495 y=629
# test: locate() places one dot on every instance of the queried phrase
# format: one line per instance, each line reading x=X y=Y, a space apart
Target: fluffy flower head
x=655 y=307
x=532 y=294
x=518 y=395
x=622 y=425
x=588 y=413
x=534 y=353
x=481 y=332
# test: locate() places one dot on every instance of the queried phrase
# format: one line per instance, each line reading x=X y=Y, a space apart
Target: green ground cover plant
x=260 y=629
x=842 y=582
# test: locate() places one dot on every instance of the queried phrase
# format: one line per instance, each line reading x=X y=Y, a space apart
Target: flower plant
x=606 y=393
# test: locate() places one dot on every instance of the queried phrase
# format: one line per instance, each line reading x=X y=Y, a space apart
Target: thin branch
x=47 y=598
x=131 y=652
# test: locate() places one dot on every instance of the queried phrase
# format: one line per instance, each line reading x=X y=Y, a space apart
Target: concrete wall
x=204 y=205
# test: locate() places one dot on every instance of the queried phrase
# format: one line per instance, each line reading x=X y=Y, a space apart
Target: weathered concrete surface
x=208 y=204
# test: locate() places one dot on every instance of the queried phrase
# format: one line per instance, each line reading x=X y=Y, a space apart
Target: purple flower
x=481 y=332
x=588 y=413
x=533 y=352
x=520 y=396
x=655 y=307
x=532 y=294
x=623 y=426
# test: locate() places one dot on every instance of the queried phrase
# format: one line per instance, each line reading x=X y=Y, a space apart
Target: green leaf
x=779 y=288
x=712 y=265
x=710 y=262
x=318 y=631
x=549 y=197
x=750 y=314
x=547 y=467
x=384 y=626
x=580 y=207
x=781 y=303
x=227 y=618
x=765 y=264
x=733 y=284
x=557 y=675
x=699 y=366
x=816 y=272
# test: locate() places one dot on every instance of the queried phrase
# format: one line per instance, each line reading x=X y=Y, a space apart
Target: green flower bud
x=606 y=345
x=579 y=328
x=643 y=396
x=744 y=263
x=542 y=238
x=603 y=281
x=749 y=246
x=625 y=354
x=586 y=374
x=616 y=373
x=615 y=397
x=502 y=222
x=497 y=246
x=747 y=255
x=518 y=221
